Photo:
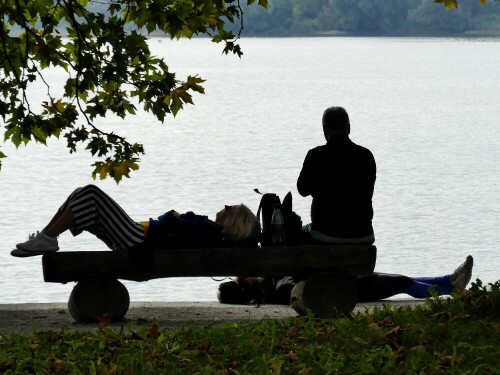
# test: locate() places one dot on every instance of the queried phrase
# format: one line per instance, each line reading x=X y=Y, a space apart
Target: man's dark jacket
x=340 y=177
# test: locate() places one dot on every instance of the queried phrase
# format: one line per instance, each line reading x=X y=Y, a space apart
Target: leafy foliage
x=291 y=17
x=102 y=48
x=457 y=335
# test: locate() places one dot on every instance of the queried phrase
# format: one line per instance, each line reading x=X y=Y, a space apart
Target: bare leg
x=62 y=221
x=53 y=220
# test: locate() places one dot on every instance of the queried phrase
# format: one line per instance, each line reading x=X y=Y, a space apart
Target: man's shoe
x=462 y=275
x=39 y=242
x=25 y=254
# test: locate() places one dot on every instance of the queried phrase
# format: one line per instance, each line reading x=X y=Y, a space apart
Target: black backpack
x=293 y=222
x=265 y=214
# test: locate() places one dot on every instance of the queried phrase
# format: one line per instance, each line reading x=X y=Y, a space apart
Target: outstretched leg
x=379 y=286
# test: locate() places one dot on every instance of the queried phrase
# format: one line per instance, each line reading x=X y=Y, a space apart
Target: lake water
x=426 y=107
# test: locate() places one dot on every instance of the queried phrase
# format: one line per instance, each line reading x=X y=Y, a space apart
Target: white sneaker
x=462 y=275
x=39 y=242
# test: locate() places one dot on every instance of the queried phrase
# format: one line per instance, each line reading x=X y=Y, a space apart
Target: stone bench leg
x=327 y=295
x=96 y=296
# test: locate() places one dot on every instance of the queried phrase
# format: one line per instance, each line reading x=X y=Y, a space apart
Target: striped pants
x=97 y=213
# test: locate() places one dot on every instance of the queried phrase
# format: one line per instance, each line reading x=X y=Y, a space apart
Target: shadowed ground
x=24 y=318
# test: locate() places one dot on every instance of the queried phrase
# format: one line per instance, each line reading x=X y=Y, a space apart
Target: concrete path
x=24 y=318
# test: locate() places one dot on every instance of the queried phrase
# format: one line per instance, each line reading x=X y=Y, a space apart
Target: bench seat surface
x=65 y=266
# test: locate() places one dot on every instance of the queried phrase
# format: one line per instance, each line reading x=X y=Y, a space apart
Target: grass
x=457 y=335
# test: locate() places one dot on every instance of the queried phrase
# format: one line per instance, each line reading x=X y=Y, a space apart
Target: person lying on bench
x=369 y=288
x=91 y=209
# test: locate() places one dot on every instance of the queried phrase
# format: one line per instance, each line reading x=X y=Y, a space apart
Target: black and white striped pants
x=97 y=213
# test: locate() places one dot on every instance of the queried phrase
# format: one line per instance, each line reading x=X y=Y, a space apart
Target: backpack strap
x=260 y=205
x=287 y=202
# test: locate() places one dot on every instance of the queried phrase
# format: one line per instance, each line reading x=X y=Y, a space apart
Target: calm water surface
x=427 y=108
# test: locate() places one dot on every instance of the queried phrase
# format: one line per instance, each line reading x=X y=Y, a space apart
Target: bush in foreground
x=446 y=336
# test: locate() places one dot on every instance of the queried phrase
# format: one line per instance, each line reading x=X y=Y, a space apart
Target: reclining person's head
x=335 y=121
x=238 y=221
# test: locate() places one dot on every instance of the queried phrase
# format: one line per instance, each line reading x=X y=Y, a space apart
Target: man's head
x=335 y=121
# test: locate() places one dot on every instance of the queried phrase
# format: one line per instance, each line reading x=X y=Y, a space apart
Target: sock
x=421 y=290
x=439 y=280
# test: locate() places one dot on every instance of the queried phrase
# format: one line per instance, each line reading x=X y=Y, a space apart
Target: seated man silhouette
x=340 y=177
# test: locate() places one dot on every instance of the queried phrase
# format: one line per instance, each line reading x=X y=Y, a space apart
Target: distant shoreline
x=327 y=33
x=340 y=33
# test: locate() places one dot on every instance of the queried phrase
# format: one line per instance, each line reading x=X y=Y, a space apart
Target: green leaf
x=2 y=155
x=17 y=137
x=175 y=103
x=40 y=135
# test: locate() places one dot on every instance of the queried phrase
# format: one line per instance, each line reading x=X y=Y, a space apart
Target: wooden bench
x=329 y=290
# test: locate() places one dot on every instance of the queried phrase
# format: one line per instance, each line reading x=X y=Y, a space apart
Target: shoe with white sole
x=39 y=242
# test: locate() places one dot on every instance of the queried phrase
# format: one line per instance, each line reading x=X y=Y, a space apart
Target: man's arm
x=305 y=182
x=371 y=173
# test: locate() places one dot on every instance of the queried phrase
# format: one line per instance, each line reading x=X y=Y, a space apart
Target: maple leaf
x=153 y=331
x=104 y=321
x=448 y=4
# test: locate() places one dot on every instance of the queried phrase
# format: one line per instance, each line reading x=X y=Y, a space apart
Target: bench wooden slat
x=346 y=260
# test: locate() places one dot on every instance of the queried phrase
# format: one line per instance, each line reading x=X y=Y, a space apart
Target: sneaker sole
x=37 y=251
x=25 y=254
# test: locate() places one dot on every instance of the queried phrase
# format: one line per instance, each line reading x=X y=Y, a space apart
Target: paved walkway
x=24 y=318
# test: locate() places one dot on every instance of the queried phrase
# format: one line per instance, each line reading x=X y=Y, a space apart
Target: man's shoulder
x=348 y=148
x=361 y=149
x=318 y=149
x=364 y=148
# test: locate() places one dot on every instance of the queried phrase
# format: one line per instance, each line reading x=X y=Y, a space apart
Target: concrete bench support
x=328 y=295
x=328 y=291
x=96 y=296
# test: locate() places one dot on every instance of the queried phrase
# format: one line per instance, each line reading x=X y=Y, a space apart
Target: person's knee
x=89 y=187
